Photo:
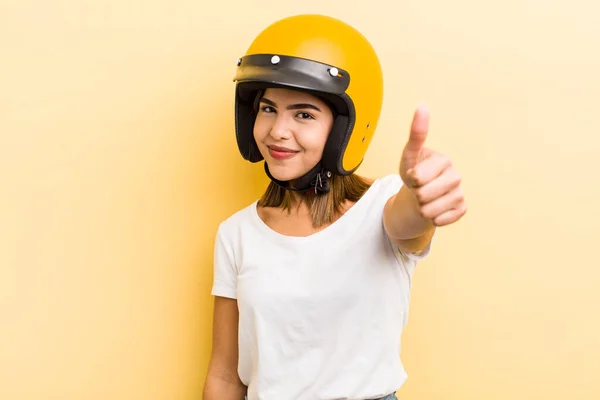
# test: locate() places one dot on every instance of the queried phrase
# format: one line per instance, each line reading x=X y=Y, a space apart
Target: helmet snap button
x=333 y=71
x=275 y=60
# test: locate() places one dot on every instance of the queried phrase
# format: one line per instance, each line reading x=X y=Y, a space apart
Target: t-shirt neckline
x=343 y=220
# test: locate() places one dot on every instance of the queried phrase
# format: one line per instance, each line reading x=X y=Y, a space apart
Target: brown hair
x=324 y=208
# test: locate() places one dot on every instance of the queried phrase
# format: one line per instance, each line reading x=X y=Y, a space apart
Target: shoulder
x=372 y=203
x=234 y=223
x=389 y=183
x=384 y=187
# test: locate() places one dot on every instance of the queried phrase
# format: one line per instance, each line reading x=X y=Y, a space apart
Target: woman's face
x=291 y=129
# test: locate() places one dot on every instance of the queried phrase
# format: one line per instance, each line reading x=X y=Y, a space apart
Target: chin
x=284 y=173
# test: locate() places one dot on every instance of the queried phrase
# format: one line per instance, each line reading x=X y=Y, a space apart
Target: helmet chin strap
x=315 y=181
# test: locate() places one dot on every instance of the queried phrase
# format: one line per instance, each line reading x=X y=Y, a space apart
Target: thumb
x=418 y=132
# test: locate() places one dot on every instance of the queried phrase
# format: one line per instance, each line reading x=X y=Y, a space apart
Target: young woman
x=312 y=281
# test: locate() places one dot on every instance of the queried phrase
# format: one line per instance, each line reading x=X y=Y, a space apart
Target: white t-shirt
x=320 y=317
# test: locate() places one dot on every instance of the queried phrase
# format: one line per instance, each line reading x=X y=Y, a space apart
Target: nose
x=280 y=130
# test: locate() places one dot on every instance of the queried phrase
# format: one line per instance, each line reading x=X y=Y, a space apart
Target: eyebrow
x=292 y=106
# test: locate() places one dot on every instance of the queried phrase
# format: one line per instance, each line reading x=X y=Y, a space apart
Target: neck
x=297 y=198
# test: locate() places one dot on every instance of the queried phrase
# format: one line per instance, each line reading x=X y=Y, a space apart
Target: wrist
x=403 y=216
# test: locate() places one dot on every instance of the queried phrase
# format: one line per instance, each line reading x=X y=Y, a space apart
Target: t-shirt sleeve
x=422 y=254
x=393 y=185
x=225 y=269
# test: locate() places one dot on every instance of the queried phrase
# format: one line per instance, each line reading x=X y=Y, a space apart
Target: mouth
x=281 y=153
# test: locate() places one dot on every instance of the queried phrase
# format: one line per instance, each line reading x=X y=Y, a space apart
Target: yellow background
x=118 y=160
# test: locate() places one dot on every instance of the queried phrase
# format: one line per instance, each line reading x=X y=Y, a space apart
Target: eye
x=305 y=115
x=267 y=109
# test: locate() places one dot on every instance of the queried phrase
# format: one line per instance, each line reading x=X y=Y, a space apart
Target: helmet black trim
x=260 y=71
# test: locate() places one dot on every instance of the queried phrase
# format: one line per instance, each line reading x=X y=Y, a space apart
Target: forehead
x=290 y=96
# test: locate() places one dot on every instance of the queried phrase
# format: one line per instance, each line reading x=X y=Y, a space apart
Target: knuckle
x=458 y=198
x=460 y=211
x=454 y=177
x=457 y=178
x=440 y=221
x=458 y=192
x=416 y=177
x=445 y=159
x=427 y=213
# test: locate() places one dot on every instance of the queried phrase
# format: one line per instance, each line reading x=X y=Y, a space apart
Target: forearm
x=404 y=223
x=217 y=388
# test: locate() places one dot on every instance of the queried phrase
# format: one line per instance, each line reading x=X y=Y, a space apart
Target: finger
x=418 y=131
x=450 y=216
x=444 y=183
x=410 y=181
x=440 y=205
x=429 y=169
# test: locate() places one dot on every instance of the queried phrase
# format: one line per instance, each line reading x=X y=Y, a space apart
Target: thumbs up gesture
x=430 y=176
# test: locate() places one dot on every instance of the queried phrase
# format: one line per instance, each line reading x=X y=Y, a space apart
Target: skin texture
x=297 y=121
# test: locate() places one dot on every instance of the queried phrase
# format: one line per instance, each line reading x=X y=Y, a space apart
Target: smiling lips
x=281 y=153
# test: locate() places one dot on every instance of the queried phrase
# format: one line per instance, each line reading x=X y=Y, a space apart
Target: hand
x=430 y=176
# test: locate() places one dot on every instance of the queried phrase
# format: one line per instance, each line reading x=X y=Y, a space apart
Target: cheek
x=313 y=143
x=259 y=131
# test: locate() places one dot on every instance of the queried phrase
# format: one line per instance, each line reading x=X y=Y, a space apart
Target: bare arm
x=222 y=381
x=431 y=195
x=405 y=225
